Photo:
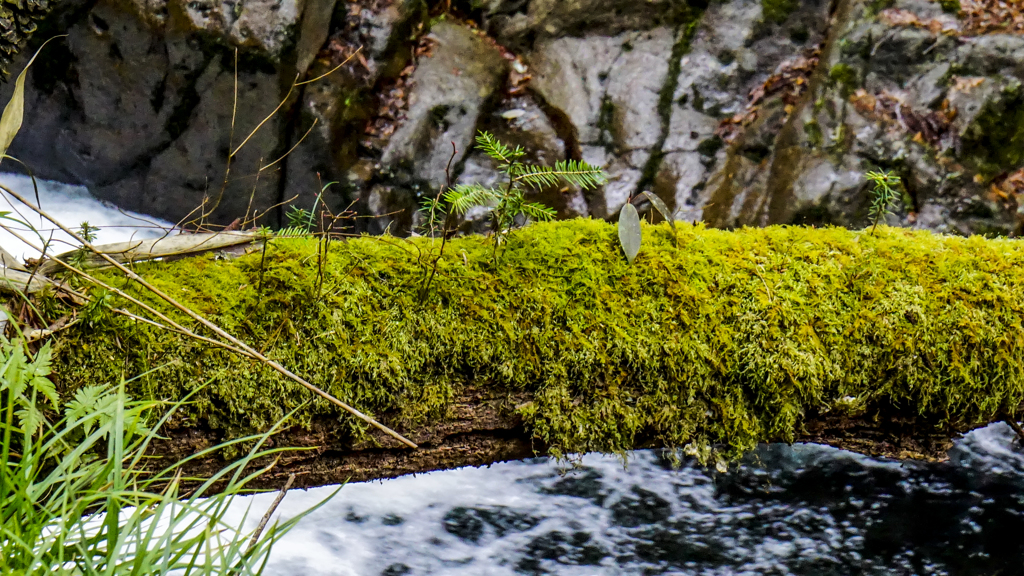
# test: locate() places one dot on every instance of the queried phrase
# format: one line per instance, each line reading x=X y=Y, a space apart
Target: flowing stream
x=801 y=510
x=71 y=205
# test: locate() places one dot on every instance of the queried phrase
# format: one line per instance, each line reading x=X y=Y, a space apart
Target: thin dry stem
x=215 y=328
x=292 y=149
x=270 y=512
x=333 y=70
x=267 y=119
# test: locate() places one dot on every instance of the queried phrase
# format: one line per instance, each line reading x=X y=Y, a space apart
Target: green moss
x=994 y=141
x=711 y=338
x=844 y=76
x=950 y=6
x=815 y=137
x=711 y=146
x=778 y=11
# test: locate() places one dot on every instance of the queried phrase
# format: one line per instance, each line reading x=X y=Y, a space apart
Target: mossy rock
x=994 y=141
x=18 y=21
x=778 y=11
x=711 y=339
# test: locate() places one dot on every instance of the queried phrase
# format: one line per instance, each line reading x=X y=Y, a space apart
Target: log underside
x=484 y=430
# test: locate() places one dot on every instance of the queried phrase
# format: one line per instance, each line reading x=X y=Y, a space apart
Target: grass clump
x=76 y=495
x=712 y=339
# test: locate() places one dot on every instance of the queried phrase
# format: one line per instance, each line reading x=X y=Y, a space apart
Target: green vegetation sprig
x=88 y=232
x=509 y=200
x=883 y=195
x=58 y=468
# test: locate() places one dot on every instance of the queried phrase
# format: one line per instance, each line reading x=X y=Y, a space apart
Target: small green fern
x=509 y=202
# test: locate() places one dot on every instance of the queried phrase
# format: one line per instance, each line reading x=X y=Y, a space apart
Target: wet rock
x=576 y=549
x=998 y=54
x=355 y=518
x=397 y=569
x=994 y=140
x=763 y=112
x=333 y=113
x=451 y=90
x=465 y=523
x=515 y=22
x=639 y=508
x=609 y=89
x=261 y=24
x=470 y=524
x=586 y=484
x=887 y=96
x=677 y=547
x=392 y=520
x=140 y=108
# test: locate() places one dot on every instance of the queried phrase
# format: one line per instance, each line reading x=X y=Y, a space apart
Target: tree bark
x=483 y=429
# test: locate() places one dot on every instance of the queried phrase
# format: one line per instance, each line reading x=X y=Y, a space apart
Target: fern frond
x=433 y=208
x=575 y=172
x=463 y=197
x=497 y=150
x=299 y=218
x=292 y=232
x=537 y=211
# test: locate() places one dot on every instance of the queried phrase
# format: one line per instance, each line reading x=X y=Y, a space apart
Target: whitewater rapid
x=71 y=205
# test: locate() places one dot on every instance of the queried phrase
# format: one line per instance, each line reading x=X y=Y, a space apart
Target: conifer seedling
x=883 y=195
x=508 y=201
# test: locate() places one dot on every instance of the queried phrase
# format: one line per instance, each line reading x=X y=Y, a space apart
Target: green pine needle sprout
x=508 y=201
x=883 y=195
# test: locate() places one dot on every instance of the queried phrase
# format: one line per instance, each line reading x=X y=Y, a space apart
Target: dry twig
x=210 y=325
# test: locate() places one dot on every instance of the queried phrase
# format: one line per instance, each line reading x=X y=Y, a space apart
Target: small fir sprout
x=435 y=213
x=883 y=195
x=508 y=201
x=302 y=222
x=299 y=221
x=88 y=233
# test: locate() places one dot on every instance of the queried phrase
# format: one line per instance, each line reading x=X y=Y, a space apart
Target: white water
x=71 y=205
x=787 y=510
x=767 y=516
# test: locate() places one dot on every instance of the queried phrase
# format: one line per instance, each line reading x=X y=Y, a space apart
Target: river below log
x=801 y=510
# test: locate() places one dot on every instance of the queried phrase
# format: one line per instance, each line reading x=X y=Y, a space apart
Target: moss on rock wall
x=18 y=20
x=711 y=338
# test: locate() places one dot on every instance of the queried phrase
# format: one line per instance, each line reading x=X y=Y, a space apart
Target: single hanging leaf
x=661 y=207
x=629 y=231
x=14 y=112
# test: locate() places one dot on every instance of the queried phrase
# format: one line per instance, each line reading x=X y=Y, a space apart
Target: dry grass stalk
x=249 y=351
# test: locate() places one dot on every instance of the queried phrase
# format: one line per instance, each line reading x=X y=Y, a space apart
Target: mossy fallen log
x=711 y=342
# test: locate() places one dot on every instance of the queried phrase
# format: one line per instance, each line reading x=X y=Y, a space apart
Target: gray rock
x=996 y=54
x=451 y=89
x=139 y=107
x=514 y=21
x=333 y=112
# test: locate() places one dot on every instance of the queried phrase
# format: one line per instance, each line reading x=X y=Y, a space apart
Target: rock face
x=737 y=112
